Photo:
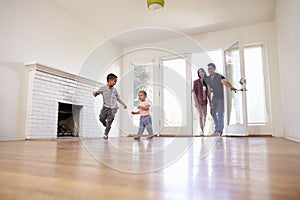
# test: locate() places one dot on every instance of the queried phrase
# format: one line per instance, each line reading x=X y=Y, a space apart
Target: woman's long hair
x=205 y=76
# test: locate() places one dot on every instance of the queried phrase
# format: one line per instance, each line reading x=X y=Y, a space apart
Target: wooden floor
x=164 y=168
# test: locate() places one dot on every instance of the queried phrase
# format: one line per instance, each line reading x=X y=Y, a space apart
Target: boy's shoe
x=137 y=137
x=105 y=137
x=150 y=137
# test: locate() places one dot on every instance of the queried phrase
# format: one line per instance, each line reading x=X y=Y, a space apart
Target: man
x=216 y=81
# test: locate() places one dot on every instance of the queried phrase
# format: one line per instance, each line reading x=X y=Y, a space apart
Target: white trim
x=243 y=128
x=293 y=139
x=268 y=127
x=2 y=139
x=188 y=128
x=40 y=137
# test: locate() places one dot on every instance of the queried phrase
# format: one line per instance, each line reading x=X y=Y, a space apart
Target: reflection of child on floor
x=145 y=119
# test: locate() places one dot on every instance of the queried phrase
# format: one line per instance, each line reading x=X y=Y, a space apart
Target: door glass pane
x=174 y=92
x=233 y=75
x=256 y=97
x=143 y=80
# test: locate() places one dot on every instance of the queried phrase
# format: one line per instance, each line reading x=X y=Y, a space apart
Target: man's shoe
x=215 y=134
x=150 y=137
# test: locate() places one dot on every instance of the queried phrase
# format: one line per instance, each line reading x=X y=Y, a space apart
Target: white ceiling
x=112 y=17
x=62 y=33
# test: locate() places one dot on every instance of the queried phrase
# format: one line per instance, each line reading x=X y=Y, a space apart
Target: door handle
x=242 y=81
x=243 y=84
x=243 y=90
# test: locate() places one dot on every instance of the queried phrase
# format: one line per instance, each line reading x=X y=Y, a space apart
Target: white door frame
x=186 y=130
x=237 y=129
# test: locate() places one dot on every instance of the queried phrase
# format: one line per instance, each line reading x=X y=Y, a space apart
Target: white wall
x=40 y=31
x=13 y=101
x=34 y=30
x=288 y=32
x=37 y=30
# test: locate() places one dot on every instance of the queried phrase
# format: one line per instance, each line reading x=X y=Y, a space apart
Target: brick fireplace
x=49 y=91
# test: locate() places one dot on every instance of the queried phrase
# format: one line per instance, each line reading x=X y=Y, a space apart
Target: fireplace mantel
x=60 y=73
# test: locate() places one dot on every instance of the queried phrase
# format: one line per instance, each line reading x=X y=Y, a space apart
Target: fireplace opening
x=68 y=120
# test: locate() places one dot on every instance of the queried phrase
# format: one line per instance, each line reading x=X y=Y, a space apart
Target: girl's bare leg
x=200 y=110
x=204 y=111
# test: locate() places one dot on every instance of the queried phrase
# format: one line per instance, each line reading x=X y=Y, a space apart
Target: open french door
x=235 y=103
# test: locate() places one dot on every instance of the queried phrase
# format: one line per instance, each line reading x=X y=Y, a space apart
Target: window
x=174 y=92
x=256 y=95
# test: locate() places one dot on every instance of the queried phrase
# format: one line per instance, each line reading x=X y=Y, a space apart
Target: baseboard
x=260 y=135
x=11 y=138
x=293 y=139
x=39 y=138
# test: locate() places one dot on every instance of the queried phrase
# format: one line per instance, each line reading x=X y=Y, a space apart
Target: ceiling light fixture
x=155 y=5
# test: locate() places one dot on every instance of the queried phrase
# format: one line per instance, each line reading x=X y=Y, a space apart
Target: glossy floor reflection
x=128 y=155
x=207 y=168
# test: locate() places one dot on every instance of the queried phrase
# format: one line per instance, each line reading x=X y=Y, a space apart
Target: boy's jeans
x=106 y=117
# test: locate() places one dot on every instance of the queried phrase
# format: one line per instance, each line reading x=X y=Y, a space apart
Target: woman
x=201 y=95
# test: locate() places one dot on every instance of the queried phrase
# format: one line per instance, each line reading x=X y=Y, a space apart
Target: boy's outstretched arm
x=95 y=93
x=135 y=113
x=122 y=103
